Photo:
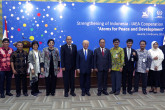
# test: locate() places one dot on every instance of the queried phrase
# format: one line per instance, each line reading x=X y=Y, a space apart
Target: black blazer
x=85 y=66
x=130 y=64
x=102 y=62
x=68 y=59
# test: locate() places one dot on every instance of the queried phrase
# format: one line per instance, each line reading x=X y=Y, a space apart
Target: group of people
x=121 y=63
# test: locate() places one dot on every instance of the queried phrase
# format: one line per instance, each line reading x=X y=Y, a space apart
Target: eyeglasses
x=6 y=42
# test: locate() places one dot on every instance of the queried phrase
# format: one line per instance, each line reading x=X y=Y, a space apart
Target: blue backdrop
x=83 y=21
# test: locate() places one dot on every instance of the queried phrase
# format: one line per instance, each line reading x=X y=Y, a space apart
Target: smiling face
x=142 y=45
x=69 y=40
x=20 y=46
x=85 y=44
x=5 y=44
x=129 y=44
x=102 y=43
x=51 y=44
x=35 y=46
x=116 y=43
x=155 y=45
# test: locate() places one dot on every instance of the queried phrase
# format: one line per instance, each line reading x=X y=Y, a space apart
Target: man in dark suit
x=68 y=64
x=102 y=65
x=85 y=67
x=130 y=58
x=162 y=75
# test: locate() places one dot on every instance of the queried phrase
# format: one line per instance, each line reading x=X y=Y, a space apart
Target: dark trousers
x=69 y=80
x=34 y=86
x=162 y=80
x=144 y=81
x=51 y=83
x=127 y=80
x=85 y=81
x=102 y=80
x=155 y=78
x=116 y=80
x=5 y=75
x=20 y=78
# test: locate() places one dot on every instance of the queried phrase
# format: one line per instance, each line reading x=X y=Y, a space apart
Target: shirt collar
x=85 y=49
x=69 y=45
x=19 y=51
x=4 y=48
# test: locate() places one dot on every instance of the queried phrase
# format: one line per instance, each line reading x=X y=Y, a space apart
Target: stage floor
x=137 y=101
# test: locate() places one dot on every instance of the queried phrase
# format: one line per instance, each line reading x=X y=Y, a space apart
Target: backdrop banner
x=84 y=21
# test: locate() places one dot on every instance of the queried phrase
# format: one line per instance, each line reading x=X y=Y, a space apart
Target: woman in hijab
x=156 y=66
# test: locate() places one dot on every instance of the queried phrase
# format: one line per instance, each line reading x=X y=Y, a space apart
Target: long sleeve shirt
x=117 y=56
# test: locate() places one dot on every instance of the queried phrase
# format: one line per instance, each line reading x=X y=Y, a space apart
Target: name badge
x=116 y=56
x=132 y=59
x=25 y=59
x=144 y=60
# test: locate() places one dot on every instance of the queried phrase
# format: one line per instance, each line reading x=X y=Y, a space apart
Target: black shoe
x=144 y=92
x=73 y=94
x=52 y=94
x=161 y=90
x=88 y=94
x=2 y=96
x=105 y=93
x=35 y=94
x=117 y=93
x=83 y=94
x=39 y=92
x=124 y=92
x=25 y=94
x=111 y=92
x=18 y=95
x=99 y=94
x=9 y=94
x=47 y=94
x=130 y=92
x=66 y=95
x=135 y=91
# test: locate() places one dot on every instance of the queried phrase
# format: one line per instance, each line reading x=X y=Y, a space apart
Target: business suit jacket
x=163 y=50
x=130 y=64
x=68 y=59
x=85 y=66
x=102 y=62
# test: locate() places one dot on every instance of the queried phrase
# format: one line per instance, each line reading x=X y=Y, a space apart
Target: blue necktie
x=85 y=55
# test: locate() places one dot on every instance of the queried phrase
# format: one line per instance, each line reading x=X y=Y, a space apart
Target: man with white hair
x=84 y=67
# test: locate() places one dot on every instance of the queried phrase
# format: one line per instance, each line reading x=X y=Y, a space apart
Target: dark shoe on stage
x=161 y=90
x=2 y=96
x=52 y=94
x=124 y=92
x=73 y=94
x=25 y=94
x=18 y=95
x=117 y=93
x=144 y=92
x=130 y=92
x=111 y=92
x=66 y=95
x=88 y=94
x=135 y=91
x=35 y=94
x=47 y=94
x=39 y=92
x=99 y=94
x=9 y=94
x=83 y=94
x=151 y=91
x=105 y=93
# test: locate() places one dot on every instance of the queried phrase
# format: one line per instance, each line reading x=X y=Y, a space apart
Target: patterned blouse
x=20 y=61
x=117 y=56
x=5 y=59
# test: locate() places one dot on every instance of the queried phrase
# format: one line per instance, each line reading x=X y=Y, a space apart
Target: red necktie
x=102 y=52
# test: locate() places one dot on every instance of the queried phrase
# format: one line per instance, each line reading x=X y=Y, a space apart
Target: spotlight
x=150 y=9
x=60 y=6
x=29 y=6
x=92 y=7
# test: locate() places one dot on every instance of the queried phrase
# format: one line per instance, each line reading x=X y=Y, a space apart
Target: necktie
x=85 y=55
x=70 y=48
x=102 y=52
x=129 y=53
